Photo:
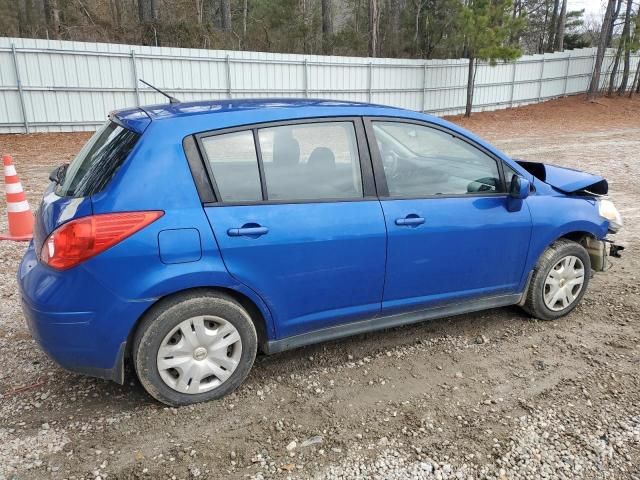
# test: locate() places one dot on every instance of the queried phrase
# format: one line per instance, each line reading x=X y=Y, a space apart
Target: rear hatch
x=89 y=173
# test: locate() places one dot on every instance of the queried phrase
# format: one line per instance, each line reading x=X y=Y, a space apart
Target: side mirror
x=57 y=174
x=519 y=188
x=518 y=191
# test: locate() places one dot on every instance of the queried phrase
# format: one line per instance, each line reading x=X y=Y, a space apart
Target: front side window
x=508 y=176
x=94 y=166
x=234 y=163
x=423 y=161
x=312 y=161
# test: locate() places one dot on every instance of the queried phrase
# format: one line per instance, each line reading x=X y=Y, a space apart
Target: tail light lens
x=83 y=238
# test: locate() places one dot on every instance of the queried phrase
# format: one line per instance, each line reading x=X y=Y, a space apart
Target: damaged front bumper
x=600 y=252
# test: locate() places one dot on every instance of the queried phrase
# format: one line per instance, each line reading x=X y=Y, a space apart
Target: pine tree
x=489 y=29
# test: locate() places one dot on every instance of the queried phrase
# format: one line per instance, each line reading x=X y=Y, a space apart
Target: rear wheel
x=194 y=347
x=559 y=280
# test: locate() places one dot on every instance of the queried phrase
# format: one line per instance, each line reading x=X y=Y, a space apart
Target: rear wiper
x=57 y=174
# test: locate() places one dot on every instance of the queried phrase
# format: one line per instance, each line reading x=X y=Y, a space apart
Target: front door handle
x=247 y=231
x=410 y=220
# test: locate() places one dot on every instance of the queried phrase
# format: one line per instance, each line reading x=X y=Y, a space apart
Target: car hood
x=567 y=180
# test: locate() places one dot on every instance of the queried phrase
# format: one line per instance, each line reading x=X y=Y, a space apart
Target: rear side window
x=97 y=162
x=234 y=164
x=300 y=162
x=313 y=161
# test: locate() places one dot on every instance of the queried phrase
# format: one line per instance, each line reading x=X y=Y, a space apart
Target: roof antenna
x=171 y=99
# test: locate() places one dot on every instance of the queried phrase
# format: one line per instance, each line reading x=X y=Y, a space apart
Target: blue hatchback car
x=186 y=237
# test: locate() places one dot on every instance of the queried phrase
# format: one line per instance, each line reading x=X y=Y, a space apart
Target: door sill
x=396 y=320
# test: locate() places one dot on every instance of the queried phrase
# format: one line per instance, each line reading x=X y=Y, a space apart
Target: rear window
x=98 y=160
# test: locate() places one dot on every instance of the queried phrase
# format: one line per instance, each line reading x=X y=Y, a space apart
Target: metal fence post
x=424 y=87
x=134 y=70
x=228 y=63
x=513 y=82
x=566 y=76
x=306 y=78
x=370 y=82
x=540 y=80
x=20 y=92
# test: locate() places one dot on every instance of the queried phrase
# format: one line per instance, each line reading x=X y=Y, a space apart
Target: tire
x=562 y=250
x=196 y=359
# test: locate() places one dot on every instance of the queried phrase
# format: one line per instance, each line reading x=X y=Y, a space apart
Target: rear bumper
x=77 y=322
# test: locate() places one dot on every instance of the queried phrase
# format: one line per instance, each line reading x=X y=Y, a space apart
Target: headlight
x=608 y=210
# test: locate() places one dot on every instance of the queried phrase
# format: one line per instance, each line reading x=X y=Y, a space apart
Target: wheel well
x=252 y=309
x=577 y=237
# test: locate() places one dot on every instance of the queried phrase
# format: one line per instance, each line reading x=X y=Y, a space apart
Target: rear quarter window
x=98 y=161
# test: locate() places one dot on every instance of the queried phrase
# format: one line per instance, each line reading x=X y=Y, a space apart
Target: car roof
x=310 y=105
x=179 y=120
x=260 y=109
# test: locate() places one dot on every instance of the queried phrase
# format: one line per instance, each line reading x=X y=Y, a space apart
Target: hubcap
x=199 y=354
x=564 y=283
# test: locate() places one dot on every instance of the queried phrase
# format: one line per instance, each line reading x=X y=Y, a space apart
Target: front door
x=450 y=235
x=296 y=222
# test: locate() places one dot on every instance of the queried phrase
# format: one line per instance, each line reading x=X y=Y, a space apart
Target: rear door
x=297 y=220
x=450 y=235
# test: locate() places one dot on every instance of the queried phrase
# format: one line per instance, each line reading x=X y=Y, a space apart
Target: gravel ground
x=493 y=394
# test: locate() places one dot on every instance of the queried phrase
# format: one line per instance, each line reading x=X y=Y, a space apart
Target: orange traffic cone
x=20 y=217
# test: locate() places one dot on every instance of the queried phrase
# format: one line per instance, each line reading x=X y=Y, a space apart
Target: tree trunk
x=614 y=69
x=626 y=39
x=305 y=30
x=517 y=12
x=52 y=16
x=416 y=34
x=245 y=14
x=471 y=76
x=635 y=83
x=592 y=93
x=562 y=21
x=612 y=24
x=199 y=6
x=25 y=18
x=147 y=11
x=225 y=15
x=117 y=12
x=543 y=30
x=327 y=27
x=552 y=26
x=393 y=28
x=374 y=17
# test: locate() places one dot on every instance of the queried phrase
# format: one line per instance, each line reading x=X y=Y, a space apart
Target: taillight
x=83 y=238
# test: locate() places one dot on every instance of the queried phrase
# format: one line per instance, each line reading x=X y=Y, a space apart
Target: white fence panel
x=48 y=85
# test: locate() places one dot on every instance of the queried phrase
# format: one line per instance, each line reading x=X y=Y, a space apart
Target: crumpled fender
x=567 y=180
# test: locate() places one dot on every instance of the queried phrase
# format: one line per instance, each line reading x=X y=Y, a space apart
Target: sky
x=591 y=7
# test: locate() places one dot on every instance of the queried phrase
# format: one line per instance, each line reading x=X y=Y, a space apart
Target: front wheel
x=559 y=280
x=194 y=347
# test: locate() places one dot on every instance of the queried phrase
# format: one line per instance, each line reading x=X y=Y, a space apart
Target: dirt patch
x=493 y=394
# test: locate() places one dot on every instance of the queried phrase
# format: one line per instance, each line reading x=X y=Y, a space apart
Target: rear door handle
x=247 y=231
x=410 y=221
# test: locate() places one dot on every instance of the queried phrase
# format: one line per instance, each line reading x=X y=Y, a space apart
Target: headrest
x=322 y=157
